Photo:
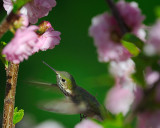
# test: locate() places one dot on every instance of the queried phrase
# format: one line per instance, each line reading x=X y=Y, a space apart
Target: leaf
x=19 y=4
x=131 y=38
x=18 y=115
x=157 y=11
x=2 y=57
x=131 y=48
x=116 y=122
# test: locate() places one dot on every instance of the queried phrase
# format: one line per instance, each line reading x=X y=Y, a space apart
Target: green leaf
x=131 y=38
x=116 y=122
x=19 y=4
x=131 y=48
x=18 y=115
x=2 y=57
x=157 y=11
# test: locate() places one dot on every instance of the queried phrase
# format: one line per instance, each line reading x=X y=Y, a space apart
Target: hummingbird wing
x=63 y=106
x=42 y=84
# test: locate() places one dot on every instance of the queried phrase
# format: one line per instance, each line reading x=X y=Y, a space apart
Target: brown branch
x=119 y=19
x=12 y=74
x=7 y=22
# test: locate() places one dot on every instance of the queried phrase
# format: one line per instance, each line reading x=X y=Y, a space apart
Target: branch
x=119 y=19
x=8 y=110
x=7 y=23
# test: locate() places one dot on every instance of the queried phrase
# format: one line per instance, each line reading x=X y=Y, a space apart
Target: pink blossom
x=122 y=68
x=154 y=38
x=7 y=4
x=48 y=39
x=38 y=9
x=120 y=97
x=87 y=124
x=103 y=30
x=27 y=41
x=21 y=45
x=151 y=76
x=49 y=124
x=106 y=32
x=34 y=10
x=149 y=119
x=131 y=14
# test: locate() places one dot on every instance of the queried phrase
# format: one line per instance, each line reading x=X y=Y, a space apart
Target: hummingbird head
x=65 y=81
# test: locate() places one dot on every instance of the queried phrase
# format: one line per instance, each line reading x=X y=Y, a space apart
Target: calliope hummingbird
x=77 y=101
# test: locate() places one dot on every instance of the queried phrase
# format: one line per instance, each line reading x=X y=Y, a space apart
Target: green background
x=76 y=54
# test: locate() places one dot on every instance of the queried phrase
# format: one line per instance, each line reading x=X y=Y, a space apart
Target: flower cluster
x=31 y=39
x=107 y=35
x=125 y=95
x=121 y=96
x=27 y=41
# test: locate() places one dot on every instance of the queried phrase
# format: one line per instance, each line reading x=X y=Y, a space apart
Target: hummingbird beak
x=50 y=67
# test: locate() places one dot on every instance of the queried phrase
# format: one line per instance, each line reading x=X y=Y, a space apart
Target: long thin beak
x=49 y=67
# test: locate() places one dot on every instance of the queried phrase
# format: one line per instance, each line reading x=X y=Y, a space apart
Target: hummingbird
x=77 y=101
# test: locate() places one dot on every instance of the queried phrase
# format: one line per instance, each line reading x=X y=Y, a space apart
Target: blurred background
x=76 y=54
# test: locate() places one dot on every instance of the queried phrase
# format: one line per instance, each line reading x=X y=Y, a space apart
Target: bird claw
x=82 y=116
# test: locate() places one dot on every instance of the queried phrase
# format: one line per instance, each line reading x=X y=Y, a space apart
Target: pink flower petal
x=87 y=124
x=47 y=40
x=34 y=9
x=21 y=45
x=154 y=37
x=119 y=100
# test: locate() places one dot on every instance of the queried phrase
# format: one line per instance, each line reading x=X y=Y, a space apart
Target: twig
x=119 y=19
x=12 y=74
x=7 y=22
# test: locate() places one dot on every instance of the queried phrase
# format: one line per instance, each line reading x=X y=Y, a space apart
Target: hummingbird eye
x=63 y=80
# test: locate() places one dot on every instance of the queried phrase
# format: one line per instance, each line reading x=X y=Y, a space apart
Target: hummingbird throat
x=63 y=86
